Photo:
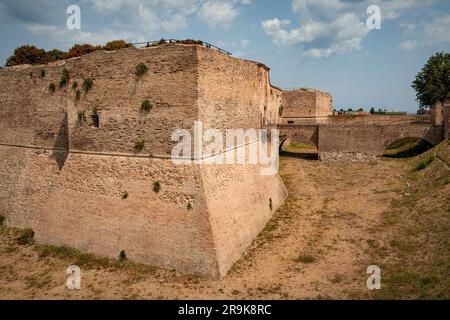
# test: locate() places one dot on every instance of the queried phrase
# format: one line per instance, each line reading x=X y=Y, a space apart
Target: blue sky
x=322 y=44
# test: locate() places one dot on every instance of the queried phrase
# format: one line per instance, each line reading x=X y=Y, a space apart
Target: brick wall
x=66 y=179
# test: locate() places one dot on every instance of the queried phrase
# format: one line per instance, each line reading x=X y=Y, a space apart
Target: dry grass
x=337 y=220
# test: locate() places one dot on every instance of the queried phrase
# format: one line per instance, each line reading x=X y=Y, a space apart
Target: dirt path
x=316 y=246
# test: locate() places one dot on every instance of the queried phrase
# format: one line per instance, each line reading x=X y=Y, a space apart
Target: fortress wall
x=234 y=93
x=306 y=103
x=299 y=104
x=274 y=105
x=238 y=200
x=82 y=206
x=170 y=84
x=372 y=140
x=75 y=198
x=371 y=119
x=324 y=104
x=29 y=115
x=446 y=119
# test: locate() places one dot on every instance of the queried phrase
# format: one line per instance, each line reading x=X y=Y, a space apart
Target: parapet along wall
x=87 y=163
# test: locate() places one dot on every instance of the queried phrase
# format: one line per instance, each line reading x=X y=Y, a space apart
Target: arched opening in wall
x=407 y=147
x=296 y=147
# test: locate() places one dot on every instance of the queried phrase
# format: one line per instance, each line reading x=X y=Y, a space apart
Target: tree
x=80 y=49
x=116 y=45
x=360 y=110
x=54 y=55
x=372 y=110
x=27 y=55
x=432 y=83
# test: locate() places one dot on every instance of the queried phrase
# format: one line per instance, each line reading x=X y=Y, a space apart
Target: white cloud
x=218 y=13
x=345 y=46
x=177 y=22
x=437 y=31
x=329 y=27
x=68 y=37
x=307 y=33
x=408 y=45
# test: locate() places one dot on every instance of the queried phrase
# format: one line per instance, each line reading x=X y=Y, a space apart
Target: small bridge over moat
x=370 y=136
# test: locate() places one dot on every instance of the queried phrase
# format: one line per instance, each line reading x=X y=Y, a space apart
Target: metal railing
x=167 y=41
x=423 y=119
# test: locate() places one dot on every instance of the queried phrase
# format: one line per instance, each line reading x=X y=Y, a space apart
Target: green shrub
x=81 y=117
x=122 y=256
x=52 y=88
x=42 y=73
x=157 y=187
x=26 y=236
x=139 y=145
x=2 y=220
x=305 y=259
x=116 y=45
x=64 y=78
x=146 y=105
x=424 y=163
x=87 y=85
x=74 y=85
x=77 y=95
x=141 y=69
x=125 y=195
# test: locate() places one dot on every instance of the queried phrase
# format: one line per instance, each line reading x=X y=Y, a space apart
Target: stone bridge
x=358 y=137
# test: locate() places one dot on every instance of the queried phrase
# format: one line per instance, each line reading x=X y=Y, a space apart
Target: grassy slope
x=415 y=256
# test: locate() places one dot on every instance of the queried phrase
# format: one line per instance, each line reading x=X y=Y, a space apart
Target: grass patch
x=424 y=163
x=26 y=237
x=122 y=256
x=89 y=260
x=306 y=259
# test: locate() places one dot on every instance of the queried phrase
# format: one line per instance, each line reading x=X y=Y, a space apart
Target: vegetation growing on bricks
x=146 y=105
x=139 y=145
x=141 y=69
x=88 y=84
x=64 y=78
x=157 y=186
x=52 y=87
x=81 y=115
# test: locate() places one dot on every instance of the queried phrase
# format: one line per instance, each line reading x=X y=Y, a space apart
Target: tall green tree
x=432 y=83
